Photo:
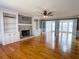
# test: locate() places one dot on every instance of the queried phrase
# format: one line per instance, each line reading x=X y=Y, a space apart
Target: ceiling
x=61 y=8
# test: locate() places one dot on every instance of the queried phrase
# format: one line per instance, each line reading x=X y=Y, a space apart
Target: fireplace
x=25 y=33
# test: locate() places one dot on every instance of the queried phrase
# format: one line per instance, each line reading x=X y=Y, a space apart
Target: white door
x=50 y=33
x=65 y=34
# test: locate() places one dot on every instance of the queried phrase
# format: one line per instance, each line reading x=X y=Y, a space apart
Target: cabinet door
x=11 y=38
x=7 y=38
x=16 y=37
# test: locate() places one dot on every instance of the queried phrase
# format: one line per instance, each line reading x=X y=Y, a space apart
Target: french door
x=50 y=32
x=61 y=30
x=65 y=34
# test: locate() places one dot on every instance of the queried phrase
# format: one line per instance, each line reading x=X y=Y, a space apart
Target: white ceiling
x=35 y=7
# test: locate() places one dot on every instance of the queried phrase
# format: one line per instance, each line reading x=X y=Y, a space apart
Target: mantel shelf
x=25 y=24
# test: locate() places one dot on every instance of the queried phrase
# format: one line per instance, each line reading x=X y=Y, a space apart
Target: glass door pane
x=60 y=36
x=70 y=26
x=53 y=25
x=64 y=26
x=48 y=26
x=64 y=38
x=60 y=26
x=69 y=39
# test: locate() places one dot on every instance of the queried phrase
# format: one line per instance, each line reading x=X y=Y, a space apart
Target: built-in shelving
x=8 y=26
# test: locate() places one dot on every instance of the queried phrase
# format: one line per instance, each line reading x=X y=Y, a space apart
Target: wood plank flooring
x=36 y=48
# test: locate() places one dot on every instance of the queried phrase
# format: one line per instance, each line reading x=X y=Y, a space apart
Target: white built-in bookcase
x=8 y=26
x=36 y=31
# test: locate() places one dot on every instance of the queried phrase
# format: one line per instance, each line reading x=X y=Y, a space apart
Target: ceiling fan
x=47 y=13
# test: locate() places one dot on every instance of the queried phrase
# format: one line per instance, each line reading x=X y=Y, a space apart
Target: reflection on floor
x=42 y=47
x=64 y=41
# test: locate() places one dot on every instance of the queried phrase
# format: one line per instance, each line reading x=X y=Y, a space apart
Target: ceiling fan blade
x=49 y=13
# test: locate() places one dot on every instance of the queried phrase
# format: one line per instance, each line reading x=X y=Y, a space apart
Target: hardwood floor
x=37 y=48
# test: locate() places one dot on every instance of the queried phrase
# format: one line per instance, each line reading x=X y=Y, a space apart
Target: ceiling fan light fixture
x=45 y=16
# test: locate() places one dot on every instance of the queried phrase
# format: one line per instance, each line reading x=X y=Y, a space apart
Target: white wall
x=36 y=31
x=1 y=27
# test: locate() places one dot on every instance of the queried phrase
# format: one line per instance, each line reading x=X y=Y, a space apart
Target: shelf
x=25 y=24
x=10 y=23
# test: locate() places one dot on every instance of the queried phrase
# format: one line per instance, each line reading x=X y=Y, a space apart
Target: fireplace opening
x=25 y=33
